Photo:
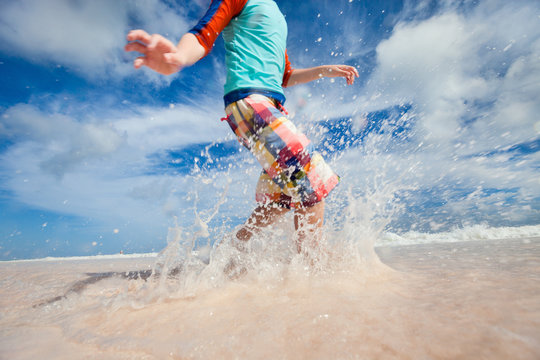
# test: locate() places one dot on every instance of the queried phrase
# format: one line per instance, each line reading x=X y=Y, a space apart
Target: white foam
x=470 y=233
x=89 y=257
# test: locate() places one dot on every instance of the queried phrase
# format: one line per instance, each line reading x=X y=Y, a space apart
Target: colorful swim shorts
x=294 y=175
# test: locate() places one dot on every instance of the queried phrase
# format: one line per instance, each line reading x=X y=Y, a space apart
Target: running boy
x=255 y=33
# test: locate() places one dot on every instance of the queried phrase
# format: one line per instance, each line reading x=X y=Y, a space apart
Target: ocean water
x=423 y=256
x=403 y=271
x=368 y=291
x=463 y=297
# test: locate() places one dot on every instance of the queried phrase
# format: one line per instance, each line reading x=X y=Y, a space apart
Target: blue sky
x=96 y=157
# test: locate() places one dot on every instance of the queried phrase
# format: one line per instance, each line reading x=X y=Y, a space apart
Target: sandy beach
x=463 y=300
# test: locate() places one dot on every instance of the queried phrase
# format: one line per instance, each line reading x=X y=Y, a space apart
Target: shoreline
x=415 y=303
x=378 y=246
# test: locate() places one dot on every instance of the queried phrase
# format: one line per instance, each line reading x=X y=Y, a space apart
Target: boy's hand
x=159 y=54
x=302 y=76
x=346 y=71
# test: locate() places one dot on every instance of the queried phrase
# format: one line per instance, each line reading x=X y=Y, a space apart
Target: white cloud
x=61 y=142
x=92 y=167
x=473 y=79
x=450 y=63
x=86 y=36
x=152 y=129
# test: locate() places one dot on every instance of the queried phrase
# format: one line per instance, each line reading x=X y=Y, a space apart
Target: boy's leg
x=261 y=217
x=308 y=223
x=282 y=150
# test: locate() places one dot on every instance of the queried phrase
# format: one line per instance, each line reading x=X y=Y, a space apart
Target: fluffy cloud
x=86 y=36
x=144 y=128
x=154 y=129
x=60 y=142
x=466 y=75
x=472 y=78
x=101 y=163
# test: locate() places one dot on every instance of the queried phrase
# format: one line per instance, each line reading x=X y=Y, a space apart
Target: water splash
x=205 y=297
x=201 y=256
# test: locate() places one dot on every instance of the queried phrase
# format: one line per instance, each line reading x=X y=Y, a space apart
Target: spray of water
x=204 y=255
x=206 y=298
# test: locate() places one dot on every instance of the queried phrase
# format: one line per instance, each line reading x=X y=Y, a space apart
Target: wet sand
x=468 y=300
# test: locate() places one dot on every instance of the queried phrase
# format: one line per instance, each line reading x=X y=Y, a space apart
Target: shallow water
x=463 y=300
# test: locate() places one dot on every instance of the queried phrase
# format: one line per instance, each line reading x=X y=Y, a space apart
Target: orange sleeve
x=218 y=15
x=288 y=71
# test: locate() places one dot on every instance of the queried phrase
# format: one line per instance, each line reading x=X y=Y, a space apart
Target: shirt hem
x=240 y=94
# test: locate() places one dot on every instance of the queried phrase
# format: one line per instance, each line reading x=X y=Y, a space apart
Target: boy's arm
x=301 y=76
x=162 y=55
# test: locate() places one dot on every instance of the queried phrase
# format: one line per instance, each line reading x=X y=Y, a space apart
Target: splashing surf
x=342 y=302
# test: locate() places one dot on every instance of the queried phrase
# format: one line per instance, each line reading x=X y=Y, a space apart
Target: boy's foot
x=233 y=270
x=240 y=245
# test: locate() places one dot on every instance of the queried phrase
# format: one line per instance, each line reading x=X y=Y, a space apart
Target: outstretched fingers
x=135 y=46
x=139 y=62
x=348 y=72
x=139 y=35
x=158 y=53
x=161 y=44
x=349 y=69
x=138 y=42
x=141 y=41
